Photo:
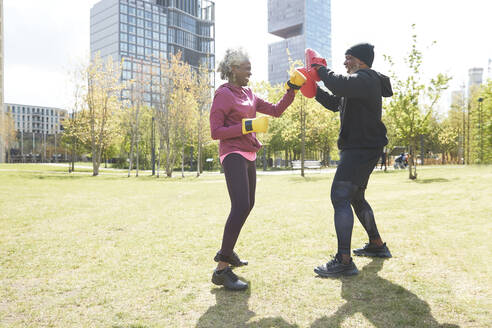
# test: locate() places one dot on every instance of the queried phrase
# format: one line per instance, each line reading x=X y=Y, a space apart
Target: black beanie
x=363 y=51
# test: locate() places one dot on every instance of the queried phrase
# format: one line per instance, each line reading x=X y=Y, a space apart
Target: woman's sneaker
x=336 y=268
x=228 y=279
x=233 y=259
x=372 y=250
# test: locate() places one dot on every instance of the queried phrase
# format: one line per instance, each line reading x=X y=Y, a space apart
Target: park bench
x=307 y=164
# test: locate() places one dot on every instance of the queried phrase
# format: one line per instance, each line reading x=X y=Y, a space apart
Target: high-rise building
x=2 y=151
x=143 y=31
x=475 y=76
x=302 y=24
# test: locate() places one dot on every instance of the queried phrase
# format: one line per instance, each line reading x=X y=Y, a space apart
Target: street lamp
x=480 y=100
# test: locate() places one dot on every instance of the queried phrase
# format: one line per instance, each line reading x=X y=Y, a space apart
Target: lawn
x=111 y=251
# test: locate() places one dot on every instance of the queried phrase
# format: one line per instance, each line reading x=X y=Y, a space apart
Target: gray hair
x=233 y=57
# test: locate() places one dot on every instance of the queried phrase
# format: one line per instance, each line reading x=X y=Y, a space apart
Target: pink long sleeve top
x=233 y=103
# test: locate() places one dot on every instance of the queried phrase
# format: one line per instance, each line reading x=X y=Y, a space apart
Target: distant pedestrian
x=233 y=121
x=383 y=160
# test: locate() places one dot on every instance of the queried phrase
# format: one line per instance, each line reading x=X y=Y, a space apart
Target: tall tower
x=142 y=31
x=475 y=76
x=2 y=149
x=302 y=24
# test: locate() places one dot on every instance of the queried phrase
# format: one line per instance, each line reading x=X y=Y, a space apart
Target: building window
x=124 y=8
x=123 y=18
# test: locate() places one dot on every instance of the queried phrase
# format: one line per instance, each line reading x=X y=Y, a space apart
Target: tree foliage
x=409 y=111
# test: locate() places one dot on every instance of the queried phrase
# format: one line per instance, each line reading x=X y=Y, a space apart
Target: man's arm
x=343 y=85
x=327 y=100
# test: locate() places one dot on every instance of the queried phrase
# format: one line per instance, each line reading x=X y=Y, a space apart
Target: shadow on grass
x=231 y=311
x=381 y=302
x=423 y=181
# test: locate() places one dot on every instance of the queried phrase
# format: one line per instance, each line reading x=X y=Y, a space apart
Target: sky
x=44 y=40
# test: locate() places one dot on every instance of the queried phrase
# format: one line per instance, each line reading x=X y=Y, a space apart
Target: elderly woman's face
x=241 y=73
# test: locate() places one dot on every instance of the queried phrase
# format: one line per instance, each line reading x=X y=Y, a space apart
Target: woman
x=233 y=121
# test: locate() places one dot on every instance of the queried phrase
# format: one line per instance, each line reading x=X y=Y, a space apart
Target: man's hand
x=259 y=124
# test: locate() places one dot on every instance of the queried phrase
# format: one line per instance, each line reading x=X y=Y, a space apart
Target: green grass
x=110 y=251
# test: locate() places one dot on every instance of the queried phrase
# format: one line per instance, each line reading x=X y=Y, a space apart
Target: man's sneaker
x=228 y=279
x=233 y=259
x=336 y=268
x=373 y=251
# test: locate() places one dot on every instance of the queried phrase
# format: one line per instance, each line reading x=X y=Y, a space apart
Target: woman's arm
x=276 y=110
x=218 y=112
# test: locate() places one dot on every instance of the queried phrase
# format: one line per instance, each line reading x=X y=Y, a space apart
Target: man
x=361 y=141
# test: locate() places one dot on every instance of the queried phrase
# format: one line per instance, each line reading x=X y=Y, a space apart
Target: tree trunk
x=182 y=161
x=412 y=168
x=95 y=164
x=303 y=136
x=137 y=157
x=199 y=154
x=159 y=158
x=130 y=157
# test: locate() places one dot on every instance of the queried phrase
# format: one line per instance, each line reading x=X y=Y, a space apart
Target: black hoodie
x=358 y=98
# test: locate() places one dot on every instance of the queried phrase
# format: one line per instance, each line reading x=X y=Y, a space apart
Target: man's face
x=352 y=64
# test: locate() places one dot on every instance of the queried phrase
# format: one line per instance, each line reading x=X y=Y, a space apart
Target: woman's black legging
x=240 y=177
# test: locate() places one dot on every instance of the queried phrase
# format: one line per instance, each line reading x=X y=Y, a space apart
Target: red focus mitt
x=309 y=87
x=313 y=57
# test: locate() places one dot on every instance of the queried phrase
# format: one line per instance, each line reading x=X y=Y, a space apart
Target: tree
x=100 y=101
x=132 y=119
x=481 y=124
x=204 y=99
x=7 y=133
x=413 y=103
x=175 y=109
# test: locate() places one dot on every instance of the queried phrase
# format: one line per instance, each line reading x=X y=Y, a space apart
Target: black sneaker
x=372 y=250
x=336 y=268
x=228 y=279
x=233 y=259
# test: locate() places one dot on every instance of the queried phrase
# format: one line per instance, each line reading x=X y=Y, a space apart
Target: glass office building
x=142 y=31
x=302 y=24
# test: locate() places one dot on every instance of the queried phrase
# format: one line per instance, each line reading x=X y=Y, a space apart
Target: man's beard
x=354 y=68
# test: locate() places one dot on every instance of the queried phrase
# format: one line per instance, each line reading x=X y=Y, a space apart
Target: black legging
x=348 y=188
x=240 y=176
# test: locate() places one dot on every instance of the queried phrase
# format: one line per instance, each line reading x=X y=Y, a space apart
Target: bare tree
x=204 y=92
